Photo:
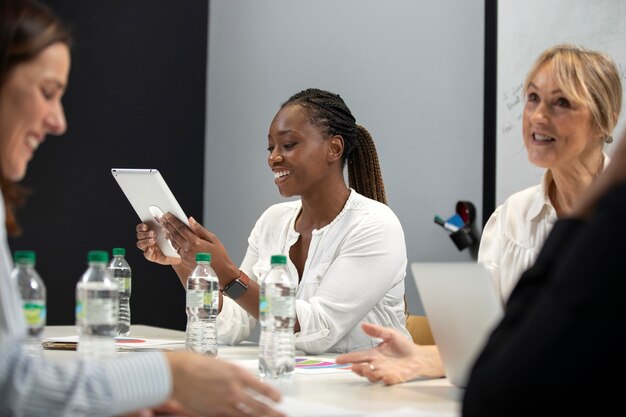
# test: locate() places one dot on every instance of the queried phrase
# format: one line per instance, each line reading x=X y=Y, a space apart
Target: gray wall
x=412 y=73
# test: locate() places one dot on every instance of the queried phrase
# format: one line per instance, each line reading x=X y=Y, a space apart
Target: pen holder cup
x=463 y=238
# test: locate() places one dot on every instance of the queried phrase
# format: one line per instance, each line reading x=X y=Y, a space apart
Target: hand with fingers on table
x=213 y=387
x=203 y=386
x=396 y=359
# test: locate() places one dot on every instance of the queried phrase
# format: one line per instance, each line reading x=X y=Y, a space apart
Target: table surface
x=427 y=397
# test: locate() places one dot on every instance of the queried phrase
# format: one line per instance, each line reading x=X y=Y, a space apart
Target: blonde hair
x=587 y=77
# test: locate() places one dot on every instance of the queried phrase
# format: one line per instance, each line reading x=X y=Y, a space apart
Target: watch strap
x=237 y=287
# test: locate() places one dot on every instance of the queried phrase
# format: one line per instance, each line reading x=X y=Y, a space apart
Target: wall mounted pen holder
x=461 y=227
x=467 y=236
x=463 y=238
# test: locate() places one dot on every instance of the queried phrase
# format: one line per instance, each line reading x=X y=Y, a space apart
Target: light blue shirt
x=41 y=387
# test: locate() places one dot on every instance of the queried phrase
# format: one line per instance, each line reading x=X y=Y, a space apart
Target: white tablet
x=148 y=193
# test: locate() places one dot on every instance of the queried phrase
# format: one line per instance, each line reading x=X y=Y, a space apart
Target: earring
x=608 y=139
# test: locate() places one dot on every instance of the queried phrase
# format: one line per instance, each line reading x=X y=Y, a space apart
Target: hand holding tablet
x=148 y=193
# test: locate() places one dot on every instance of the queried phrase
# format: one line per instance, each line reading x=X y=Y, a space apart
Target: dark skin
x=305 y=164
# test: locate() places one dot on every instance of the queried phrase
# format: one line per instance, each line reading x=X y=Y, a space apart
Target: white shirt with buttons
x=354 y=273
x=515 y=233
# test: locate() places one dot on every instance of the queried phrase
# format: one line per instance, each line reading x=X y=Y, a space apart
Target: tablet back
x=148 y=193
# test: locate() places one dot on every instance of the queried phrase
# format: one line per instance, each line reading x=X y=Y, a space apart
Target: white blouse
x=354 y=273
x=515 y=233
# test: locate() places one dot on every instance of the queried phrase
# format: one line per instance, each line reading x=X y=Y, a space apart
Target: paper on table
x=300 y=408
x=305 y=365
x=123 y=343
x=412 y=412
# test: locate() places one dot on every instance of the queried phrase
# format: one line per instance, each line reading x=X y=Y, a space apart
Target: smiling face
x=30 y=107
x=557 y=131
x=299 y=156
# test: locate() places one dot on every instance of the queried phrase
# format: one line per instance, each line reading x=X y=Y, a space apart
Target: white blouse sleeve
x=371 y=261
x=490 y=249
x=234 y=324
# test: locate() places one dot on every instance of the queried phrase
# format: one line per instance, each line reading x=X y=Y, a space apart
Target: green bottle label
x=208 y=299
x=263 y=305
x=34 y=313
x=123 y=283
x=80 y=312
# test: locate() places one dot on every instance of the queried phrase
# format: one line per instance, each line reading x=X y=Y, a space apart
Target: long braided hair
x=329 y=112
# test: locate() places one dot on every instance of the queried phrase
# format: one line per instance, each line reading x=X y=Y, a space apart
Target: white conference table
x=342 y=389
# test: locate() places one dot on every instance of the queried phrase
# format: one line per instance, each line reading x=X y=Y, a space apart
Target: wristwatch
x=237 y=287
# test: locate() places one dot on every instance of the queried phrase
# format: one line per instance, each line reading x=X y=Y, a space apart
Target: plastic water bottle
x=97 y=303
x=277 y=315
x=202 y=307
x=33 y=293
x=122 y=275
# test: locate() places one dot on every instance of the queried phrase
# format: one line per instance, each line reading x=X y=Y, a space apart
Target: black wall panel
x=136 y=98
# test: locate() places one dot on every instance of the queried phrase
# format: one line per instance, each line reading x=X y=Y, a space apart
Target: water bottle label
x=282 y=306
x=263 y=305
x=98 y=311
x=195 y=298
x=80 y=312
x=209 y=298
x=34 y=313
x=123 y=283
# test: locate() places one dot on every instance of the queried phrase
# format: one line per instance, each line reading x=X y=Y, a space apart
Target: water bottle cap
x=203 y=257
x=119 y=251
x=24 y=256
x=97 y=256
x=278 y=260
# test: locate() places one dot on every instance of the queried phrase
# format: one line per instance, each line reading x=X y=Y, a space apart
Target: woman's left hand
x=189 y=240
x=396 y=359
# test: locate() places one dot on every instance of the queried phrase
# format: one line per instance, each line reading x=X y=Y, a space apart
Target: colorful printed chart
x=320 y=365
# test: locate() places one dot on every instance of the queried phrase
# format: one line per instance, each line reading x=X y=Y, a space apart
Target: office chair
x=419 y=329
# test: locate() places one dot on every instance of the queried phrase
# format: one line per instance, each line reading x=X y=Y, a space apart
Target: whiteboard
x=525 y=29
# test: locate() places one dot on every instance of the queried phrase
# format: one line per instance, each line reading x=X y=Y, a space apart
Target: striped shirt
x=41 y=387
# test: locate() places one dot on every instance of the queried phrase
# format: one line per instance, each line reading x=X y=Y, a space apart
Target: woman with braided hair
x=343 y=243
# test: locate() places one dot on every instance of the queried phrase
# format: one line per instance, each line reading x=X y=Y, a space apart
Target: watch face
x=235 y=289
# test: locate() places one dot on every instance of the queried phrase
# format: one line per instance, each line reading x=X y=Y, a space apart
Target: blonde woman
x=573 y=100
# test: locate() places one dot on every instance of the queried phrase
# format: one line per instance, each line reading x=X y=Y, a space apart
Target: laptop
x=462 y=309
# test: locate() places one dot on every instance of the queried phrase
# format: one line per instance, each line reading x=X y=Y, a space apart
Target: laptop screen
x=462 y=308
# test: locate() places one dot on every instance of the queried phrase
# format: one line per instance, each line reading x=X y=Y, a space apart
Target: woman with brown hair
x=34 y=69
